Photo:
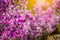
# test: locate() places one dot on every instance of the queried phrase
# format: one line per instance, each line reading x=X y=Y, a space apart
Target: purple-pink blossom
x=20 y=24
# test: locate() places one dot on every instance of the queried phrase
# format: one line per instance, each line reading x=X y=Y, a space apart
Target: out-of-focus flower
x=20 y=23
x=47 y=17
x=3 y=6
x=56 y=4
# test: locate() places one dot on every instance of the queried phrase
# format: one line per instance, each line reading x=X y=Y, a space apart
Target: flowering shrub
x=19 y=23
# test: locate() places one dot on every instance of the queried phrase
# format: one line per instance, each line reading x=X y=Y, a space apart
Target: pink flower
x=56 y=4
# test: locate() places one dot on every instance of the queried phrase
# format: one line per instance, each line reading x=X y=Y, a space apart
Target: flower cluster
x=47 y=14
x=21 y=24
x=57 y=5
x=3 y=6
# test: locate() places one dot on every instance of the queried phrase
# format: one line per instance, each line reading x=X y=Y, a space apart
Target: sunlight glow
x=31 y=4
x=45 y=3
